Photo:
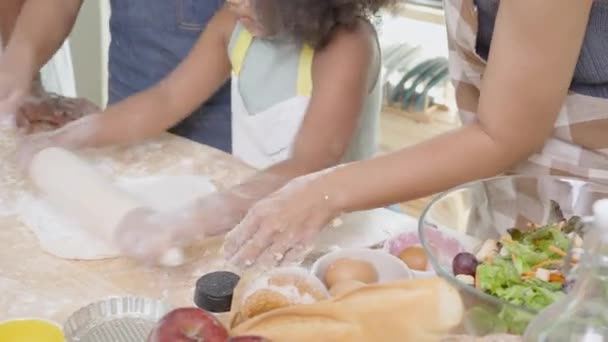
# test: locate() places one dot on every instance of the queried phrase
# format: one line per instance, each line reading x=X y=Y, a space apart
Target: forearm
x=39 y=32
x=139 y=117
x=270 y=180
x=9 y=12
x=242 y=197
x=422 y=170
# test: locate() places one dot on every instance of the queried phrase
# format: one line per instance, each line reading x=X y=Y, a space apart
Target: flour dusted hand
x=70 y=136
x=29 y=146
x=147 y=234
x=282 y=228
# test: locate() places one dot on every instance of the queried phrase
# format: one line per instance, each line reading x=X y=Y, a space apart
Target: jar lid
x=214 y=291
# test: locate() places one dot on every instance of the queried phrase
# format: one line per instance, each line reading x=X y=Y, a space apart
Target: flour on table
x=63 y=236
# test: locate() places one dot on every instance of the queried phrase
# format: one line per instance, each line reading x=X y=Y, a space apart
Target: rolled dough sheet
x=60 y=235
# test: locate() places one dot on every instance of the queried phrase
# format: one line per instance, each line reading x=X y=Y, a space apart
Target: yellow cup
x=30 y=330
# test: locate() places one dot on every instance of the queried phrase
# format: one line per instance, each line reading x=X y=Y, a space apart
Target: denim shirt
x=149 y=39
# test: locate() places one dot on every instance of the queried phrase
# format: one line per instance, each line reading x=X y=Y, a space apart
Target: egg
x=350 y=269
x=345 y=286
x=415 y=258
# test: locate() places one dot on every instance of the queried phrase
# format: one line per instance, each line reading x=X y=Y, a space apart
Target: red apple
x=247 y=339
x=189 y=325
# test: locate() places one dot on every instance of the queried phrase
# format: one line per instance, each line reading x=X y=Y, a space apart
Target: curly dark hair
x=313 y=21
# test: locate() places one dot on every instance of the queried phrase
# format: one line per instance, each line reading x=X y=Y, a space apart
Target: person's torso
x=579 y=144
x=149 y=38
x=591 y=74
x=272 y=73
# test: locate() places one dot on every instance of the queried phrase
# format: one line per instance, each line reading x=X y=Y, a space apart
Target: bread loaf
x=412 y=310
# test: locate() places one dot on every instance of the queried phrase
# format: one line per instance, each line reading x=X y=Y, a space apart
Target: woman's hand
x=282 y=228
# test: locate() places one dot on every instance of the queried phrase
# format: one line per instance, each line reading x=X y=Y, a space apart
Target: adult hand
x=281 y=229
x=146 y=234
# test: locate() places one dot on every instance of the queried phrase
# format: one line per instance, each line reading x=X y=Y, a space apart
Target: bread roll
x=279 y=288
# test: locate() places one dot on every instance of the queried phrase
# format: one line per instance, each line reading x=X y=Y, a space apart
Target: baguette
x=412 y=310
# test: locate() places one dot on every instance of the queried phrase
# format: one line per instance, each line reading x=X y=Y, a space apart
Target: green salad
x=524 y=268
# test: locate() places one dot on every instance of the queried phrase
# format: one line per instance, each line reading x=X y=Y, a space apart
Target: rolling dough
x=61 y=235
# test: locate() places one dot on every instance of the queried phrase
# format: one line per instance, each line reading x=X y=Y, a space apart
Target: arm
x=157 y=109
x=39 y=31
x=9 y=12
x=329 y=122
x=517 y=111
x=340 y=89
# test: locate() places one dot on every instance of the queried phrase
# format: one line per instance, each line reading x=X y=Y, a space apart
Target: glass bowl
x=486 y=209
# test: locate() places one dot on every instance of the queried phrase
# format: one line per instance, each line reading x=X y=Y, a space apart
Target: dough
x=60 y=234
x=72 y=185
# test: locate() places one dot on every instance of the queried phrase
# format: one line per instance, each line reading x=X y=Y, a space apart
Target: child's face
x=248 y=16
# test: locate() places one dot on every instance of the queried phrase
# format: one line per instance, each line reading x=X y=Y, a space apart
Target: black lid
x=214 y=291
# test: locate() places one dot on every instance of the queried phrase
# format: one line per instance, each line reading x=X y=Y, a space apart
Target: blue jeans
x=149 y=39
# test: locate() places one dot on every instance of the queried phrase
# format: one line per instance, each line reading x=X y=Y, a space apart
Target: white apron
x=266 y=138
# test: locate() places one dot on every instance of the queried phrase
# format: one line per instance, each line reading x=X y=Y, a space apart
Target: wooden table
x=34 y=284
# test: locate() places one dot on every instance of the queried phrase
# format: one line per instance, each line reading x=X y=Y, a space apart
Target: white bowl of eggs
x=348 y=269
x=408 y=248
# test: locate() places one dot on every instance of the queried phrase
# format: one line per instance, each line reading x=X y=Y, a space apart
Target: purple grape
x=464 y=263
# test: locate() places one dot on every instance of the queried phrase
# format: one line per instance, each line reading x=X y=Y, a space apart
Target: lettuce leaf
x=529 y=295
x=526 y=253
x=499 y=275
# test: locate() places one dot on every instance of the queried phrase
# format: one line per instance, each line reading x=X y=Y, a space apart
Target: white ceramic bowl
x=399 y=243
x=388 y=266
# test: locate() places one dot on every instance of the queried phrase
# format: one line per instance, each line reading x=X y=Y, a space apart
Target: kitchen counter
x=35 y=284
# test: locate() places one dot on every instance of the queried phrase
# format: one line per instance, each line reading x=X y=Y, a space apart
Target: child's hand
x=281 y=229
x=46 y=111
x=146 y=235
x=29 y=146
x=71 y=136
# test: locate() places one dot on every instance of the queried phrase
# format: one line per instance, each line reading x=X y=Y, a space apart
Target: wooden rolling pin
x=75 y=187
x=418 y=310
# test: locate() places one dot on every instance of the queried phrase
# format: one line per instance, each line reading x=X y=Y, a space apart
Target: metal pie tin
x=120 y=319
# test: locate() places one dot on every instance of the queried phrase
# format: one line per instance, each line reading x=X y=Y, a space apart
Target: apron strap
x=305 y=71
x=239 y=50
x=304 y=81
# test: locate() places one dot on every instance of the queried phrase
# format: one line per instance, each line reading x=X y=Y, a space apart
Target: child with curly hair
x=306 y=96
